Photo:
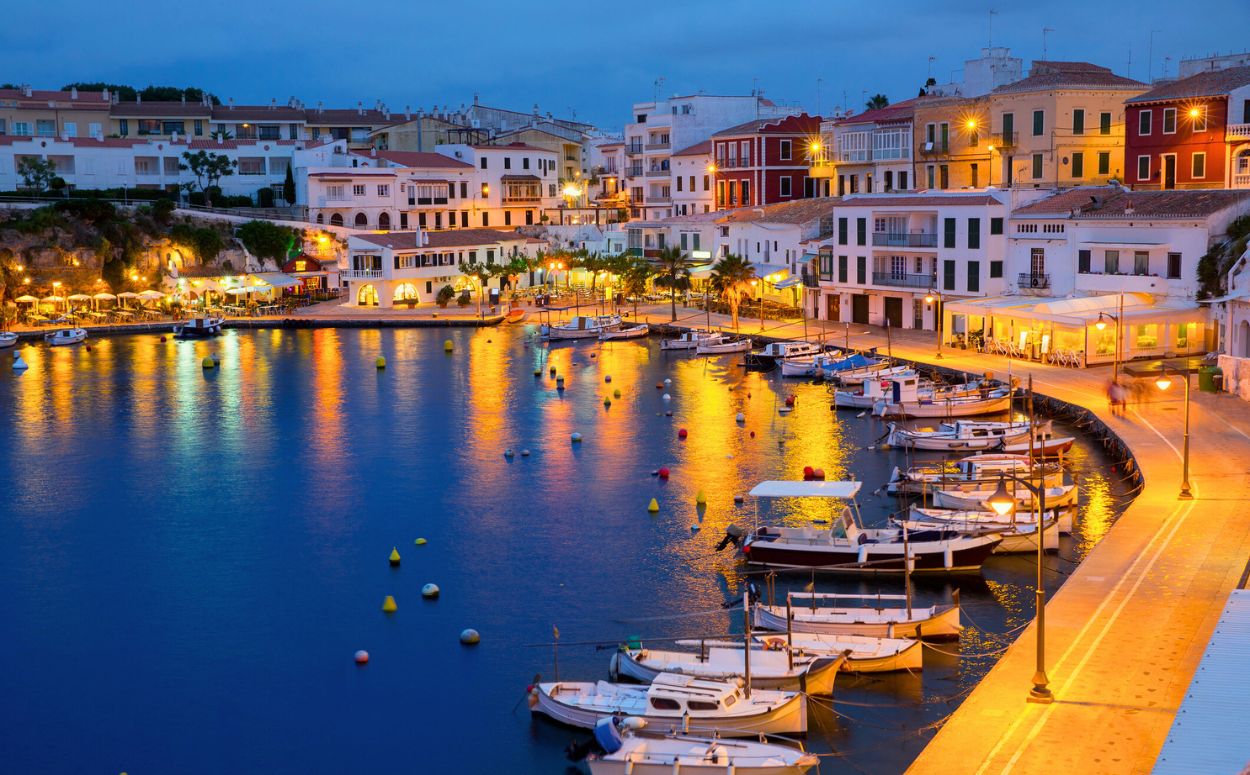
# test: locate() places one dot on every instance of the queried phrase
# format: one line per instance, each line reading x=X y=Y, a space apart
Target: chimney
x=273 y=103
x=1128 y=208
x=220 y=139
x=360 y=108
x=319 y=105
x=475 y=98
x=106 y=96
x=73 y=92
x=230 y=104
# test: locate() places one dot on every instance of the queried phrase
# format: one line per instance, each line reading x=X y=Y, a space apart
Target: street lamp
x=932 y=296
x=1101 y=325
x=1002 y=502
x=1163 y=382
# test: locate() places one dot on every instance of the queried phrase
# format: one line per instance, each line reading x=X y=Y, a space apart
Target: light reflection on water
x=190 y=556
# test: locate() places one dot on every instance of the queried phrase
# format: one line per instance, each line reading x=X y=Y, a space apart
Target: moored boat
x=807 y=366
x=516 y=315
x=768 y=669
x=626 y=332
x=864 y=653
x=582 y=327
x=65 y=336
x=723 y=345
x=7 y=339
x=768 y=356
x=880 y=616
x=882 y=370
x=973 y=498
x=960 y=436
x=199 y=327
x=689 y=340
x=979 y=470
x=1020 y=536
x=675 y=702
x=630 y=748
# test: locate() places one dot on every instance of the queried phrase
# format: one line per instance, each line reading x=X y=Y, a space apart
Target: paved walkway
x=1126 y=631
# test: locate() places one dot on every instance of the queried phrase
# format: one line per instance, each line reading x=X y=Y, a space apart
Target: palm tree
x=732 y=278
x=482 y=273
x=878 y=101
x=634 y=276
x=673 y=273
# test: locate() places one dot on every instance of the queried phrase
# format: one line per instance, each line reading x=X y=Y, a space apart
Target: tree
x=482 y=273
x=594 y=264
x=288 y=186
x=878 y=101
x=208 y=169
x=732 y=278
x=445 y=295
x=124 y=93
x=673 y=273
x=206 y=242
x=267 y=240
x=36 y=173
x=634 y=278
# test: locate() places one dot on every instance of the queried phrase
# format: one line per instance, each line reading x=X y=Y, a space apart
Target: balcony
x=362 y=274
x=1033 y=282
x=633 y=172
x=520 y=197
x=633 y=148
x=660 y=173
x=659 y=199
x=1003 y=139
x=883 y=239
x=937 y=148
x=658 y=146
x=1238 y=132
x=901 y=280
x=733 y=162
x=810 y=280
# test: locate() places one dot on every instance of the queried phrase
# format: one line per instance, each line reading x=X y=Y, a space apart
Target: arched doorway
x=1243 y=338
x=367 y=296
x=321 y=218
x=384 y=221
x=406 y=292
x=1241 y=169
x=362 y=221
x=336 y=219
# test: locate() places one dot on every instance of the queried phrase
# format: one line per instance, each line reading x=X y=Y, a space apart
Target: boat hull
x=817 y=679
x=944 y=623
x=633 y=332
x=954 y=408
x=7 y=340
x=635 y=767
x=967 y=556
x=975 y=500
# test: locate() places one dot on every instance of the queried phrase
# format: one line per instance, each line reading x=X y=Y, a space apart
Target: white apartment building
x=516 y=183
x=872 y=151
x=693 y=186
x=679 y=122
x=383 y=270
x=889 y=252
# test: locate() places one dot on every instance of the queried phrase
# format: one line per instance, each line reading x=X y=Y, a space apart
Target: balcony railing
x=1003 y=139
x=883 y=239
x=362 y=274
x=520 y=197
x=1033 y=281
x=810 y=280
x=634 y=172
x=659 y=146
x=634 y=148
x=660 y=173
x=936 y=148
x=1238 y=132
x=902 y=280
x=733 y=162
x=659 y=199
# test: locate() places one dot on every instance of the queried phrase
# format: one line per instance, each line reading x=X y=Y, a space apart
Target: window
x=948 y=229
x=861 y=270
x=507 y=162
x=746 y=192
x=786 y=150
x=525 y=163
x=701 y=705
x=707 y=182
x=1141 y=262
x=664 y=703
x=1078 y=121
x=485 y=219
x=974 y=277
x=1169 y=121
x=149 y=126
x=944 y=176
x=1037 y=166
x=464 y=219
x=679 y=182
x=996 y=226
x=358 y=190
x=1039 y=123
x=1174 y=266
x=948 y=275
x=1009 y=127
x=384 y=190
x=1143 y=122
x=1078 y=165
x=1198 y=119
x=1111 y=262
x=507 y=217
x=785 y=186
x=996 y=269
x=1082 y=261
x=1104 y=123
x=485 y=190
x=1143 y=168
x=974 y=234
x=1104 y=162
x=930 y=176
x=483 y=163
x=842 y=231
x=861 y=231
x=123 y=127
x=1198 y=166
x=842 y=269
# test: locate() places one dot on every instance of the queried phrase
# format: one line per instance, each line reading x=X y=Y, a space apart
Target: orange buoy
x=362 y=657
x=663 y=473
x=681 y=433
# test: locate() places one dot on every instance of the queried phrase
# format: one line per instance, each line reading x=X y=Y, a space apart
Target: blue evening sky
x=592 y=58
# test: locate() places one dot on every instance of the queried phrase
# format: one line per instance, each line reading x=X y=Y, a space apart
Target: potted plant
x=445 y=295
x=464 y=298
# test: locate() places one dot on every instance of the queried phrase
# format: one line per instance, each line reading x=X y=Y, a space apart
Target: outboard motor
x=733 y=535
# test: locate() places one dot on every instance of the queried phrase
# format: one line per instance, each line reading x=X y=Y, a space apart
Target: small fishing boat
x=516 y=315
x=978 y=471
x=7 y=339
x=629 y=748
x=864 y=654
x=1046 y=443
x=65 y=336
x=878 y=616
x=723 y=346
x=849 y=363
x=1020 y=536
x=873 y=390
x=991 y=402
x=768 y=356
x=689 y=340
x=626 y=332
x=992 y=519
x=846 y=546
x=675 y=702
x=582 y=327
x=200 y=327
x=973 y=497
x=960 y=436
x=808 y=366
x=880 y=370
x=769 y=669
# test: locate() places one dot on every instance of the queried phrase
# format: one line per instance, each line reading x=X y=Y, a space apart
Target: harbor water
x=190 y=557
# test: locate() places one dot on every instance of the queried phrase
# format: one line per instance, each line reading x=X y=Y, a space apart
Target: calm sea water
x=189 y=559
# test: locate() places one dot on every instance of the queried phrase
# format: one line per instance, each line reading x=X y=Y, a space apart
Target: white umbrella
x=238 y=291
x=52 y=299
x=151 y=295
x=104 y=297
x=127 y=295
x=80 y=297
x=28 y=299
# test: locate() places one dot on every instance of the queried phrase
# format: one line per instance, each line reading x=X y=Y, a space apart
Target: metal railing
x=634 y=148
x=1003 y=139
x=660 y=173
x=903 y=280
x=362 y=274
x=885 y=239
x=660 y=146
x=1032 y=280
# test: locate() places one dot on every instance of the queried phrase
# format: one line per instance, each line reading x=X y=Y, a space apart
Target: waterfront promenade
x=1125 y=633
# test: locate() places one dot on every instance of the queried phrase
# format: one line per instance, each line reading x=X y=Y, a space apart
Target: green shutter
x=949 y=227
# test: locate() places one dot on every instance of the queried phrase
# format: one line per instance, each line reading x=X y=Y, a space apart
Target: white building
x=679 y=122
x=383 y=270
x=516 y=183
x=693 y=183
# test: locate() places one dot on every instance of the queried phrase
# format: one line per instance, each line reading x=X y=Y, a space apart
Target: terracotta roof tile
x=419 y=159
x=698 y=149
x=802 y=124
x=1045 y=76
x=1210 y=84
x=917 y=200
x=797 y=212
x=1113 y=202
x=159 y=109
x=899 y=111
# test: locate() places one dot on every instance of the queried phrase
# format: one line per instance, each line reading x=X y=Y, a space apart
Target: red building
x=1190 y=133
x=764 y=162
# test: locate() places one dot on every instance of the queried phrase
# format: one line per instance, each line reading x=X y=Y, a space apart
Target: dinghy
x=689 y=340
x=768 y=356
x=630 y=748
x=879 y=616
x=65 y=336
x=769 y=669
x=722 y=346
x=864 y=654
x=515 y=315
x=625 y=332
x=7 y=339
x=675 y=702
x=199 y=327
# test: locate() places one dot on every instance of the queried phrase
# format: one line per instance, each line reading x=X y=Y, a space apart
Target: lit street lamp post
x=936 y=295
x=1101 y=325
x=1163 y=382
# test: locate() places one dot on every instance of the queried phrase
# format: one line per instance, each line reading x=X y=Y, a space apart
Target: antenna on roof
x=1150 y=57
x=1045 y=31
x=990 y=39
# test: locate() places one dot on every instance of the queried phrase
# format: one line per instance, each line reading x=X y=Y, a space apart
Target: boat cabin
x=671 y=694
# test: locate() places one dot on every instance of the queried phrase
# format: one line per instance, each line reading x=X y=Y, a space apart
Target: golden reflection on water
x=325 y=351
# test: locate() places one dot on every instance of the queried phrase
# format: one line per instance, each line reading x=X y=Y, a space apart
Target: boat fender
x=607 y=378
x=740 y=417
x=667 y=397
x=808 y=473
x=668 y=381
x=682 y=433
x=752 y=434
x=862 y=557
x=948 y=558
x=470 y=637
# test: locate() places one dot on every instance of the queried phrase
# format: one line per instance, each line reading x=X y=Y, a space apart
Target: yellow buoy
x=448 y=346
x=388 y=605
x=380 y=362
x=653 y=506
x=208 y=362
x=616 y=393
x=700 y=499
x=419 y=542
x=394 y=558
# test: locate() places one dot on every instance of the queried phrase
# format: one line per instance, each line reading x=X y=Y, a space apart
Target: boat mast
x=907 y=569
x=746 y=635
x=789 y=634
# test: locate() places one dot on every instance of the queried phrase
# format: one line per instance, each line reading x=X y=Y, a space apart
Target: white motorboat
x=973 y=497
x=7 y=339
x=689 y=340
x=626 y=332
x=768 y=356
x=769 y=669
x=65 y=336
x=878 y=371
x=809 y=365
x=851 y=362
x=629 y=748
x=996 y=402
x=1046 y=443
x=864 y=654
x=199 y=327
x=878 y=616
x=723 y=346
x=992 y=519
x=1020 y=536
x=846 y=546
x=676 y=702
x=582 y=327
x=960 y=436
x=873 y=390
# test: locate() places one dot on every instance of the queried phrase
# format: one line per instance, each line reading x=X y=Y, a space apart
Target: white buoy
x=741 y=417
x=668 y=381
x=470 y=637
x=507 y=452
x=667 y=397
x=430 y=591
x=577 y=437
x=525 y=453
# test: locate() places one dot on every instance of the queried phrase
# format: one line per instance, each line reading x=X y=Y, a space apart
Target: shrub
x=163 y=210
x=464 y=298
x=445 y=295
x=267 y=240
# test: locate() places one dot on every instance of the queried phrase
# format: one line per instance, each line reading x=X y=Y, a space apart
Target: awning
x=789 y=282
x=701 y=271
x=1234 y=296
x=795 y=489
x=1080 y=311
x=520 y=178
x=276 y=279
